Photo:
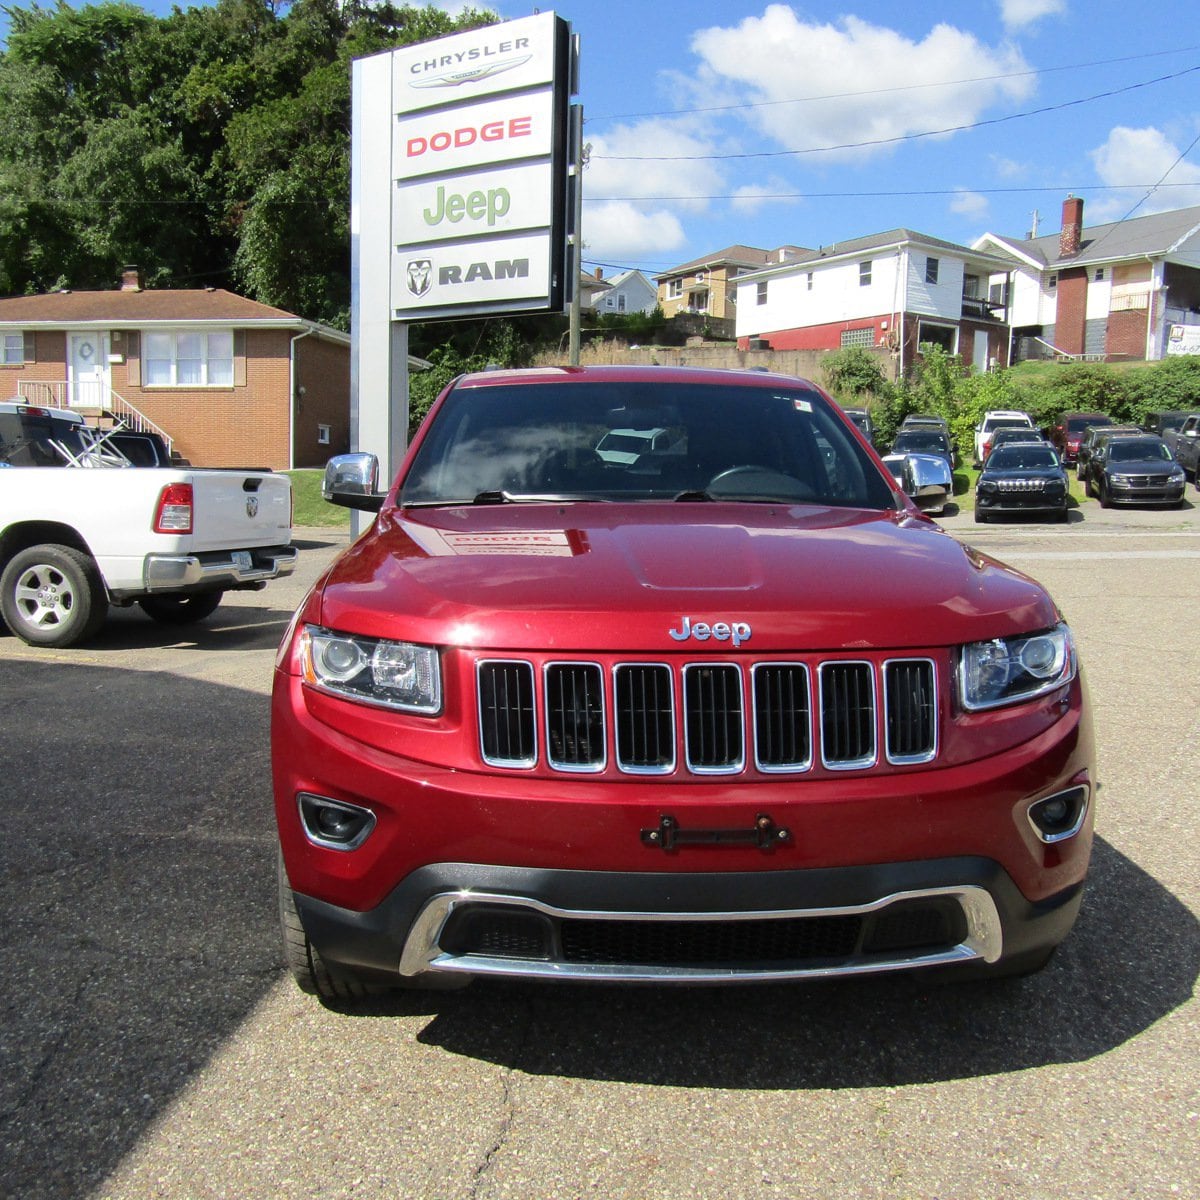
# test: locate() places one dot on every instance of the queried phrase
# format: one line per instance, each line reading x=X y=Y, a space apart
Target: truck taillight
x=174 y=513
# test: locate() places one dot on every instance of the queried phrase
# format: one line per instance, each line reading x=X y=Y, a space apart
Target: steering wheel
x=751 y=481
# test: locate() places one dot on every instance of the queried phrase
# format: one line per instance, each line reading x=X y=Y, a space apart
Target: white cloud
x=653 y=158
x=1008 y=168
x=1018 y=13
x=968 y=204
x=753 y=197
x=618 y=231
x=868 y=83
x=1140 y=158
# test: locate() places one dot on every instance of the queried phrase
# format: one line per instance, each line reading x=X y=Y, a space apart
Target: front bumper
x=1126 y=493
x=459 y=919
x=224 y=569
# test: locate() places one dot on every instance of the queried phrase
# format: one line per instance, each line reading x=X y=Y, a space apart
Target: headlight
x=1009 y=670
x=1177 y=476
x=392 y=674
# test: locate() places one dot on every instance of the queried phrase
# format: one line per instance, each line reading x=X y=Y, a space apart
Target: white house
x=628 y=292
x=897 y=289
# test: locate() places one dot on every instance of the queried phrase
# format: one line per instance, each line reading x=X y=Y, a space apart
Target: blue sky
x=717 y=122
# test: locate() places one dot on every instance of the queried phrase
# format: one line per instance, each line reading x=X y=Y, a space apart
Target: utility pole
x=580 y=154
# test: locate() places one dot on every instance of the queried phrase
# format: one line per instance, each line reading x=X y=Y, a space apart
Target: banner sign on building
x=1184 y=339
x=479 y=147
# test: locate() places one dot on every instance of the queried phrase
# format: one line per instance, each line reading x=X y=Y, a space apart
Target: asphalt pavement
x=153 y=1047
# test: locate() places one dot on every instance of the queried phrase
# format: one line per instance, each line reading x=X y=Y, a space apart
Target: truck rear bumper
x=224 y=569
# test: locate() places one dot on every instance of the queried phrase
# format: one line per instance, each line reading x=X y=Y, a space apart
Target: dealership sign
x=477 y=142
x=1184 y=339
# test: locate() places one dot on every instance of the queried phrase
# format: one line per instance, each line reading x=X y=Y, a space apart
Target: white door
x=88 y=382
x=981 y=351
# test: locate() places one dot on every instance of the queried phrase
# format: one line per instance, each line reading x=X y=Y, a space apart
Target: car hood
x=572 y=577
x=1141 y=466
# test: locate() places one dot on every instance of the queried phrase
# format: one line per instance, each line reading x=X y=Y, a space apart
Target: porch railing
x=59 y=395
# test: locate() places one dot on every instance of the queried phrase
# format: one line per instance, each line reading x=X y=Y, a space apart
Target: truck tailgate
x=240 y=508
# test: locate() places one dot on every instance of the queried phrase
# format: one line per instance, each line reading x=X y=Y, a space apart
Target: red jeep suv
x=726 y=709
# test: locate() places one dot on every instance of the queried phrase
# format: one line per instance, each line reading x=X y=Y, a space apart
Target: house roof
x=734 y=256
x=1157 y=235
x=856 y=247
x=135 y=309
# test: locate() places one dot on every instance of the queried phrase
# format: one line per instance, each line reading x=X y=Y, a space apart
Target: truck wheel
x=312 y=974
x=181 y=610
x=52 y=596
x=1102 y=489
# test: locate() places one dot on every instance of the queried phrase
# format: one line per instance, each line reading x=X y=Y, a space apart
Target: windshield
x=1135 y=450
x=37 y=439
x=920 y=441
x=1021 y=458
x=542 y=441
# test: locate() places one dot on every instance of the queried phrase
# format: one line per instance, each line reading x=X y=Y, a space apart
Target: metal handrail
x=47 y=394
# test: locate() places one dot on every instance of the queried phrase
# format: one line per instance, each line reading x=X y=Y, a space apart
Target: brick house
x=1110 y=292
x=900 y=290
x=226 y=380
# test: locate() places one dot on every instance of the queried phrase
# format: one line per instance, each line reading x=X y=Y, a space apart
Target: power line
x=1099 y=187
x=910 y=87
x=904 y=137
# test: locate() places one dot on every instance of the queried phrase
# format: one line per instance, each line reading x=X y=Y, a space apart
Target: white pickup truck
x=75 y=540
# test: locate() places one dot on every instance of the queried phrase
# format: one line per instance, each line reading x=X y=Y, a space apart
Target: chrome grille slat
x=714 y=725
x=851 y=706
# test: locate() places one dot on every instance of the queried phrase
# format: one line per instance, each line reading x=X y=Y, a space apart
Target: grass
x=308 y=509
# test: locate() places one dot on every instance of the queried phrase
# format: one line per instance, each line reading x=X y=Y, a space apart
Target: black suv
x=1090 y=440
x=1022 y=477
x=1132 y=469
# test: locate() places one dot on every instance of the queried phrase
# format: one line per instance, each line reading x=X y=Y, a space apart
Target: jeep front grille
x=715 y=718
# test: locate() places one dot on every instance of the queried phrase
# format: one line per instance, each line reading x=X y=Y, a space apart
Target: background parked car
x=1091 y=438
x=1128 y=469
x=997 y=419
x=862 y=419
x=924 y=439
x=1184 y=443
x=1066 y=435
x=1024 y=478
x=1162 y=422
x=1018 y=436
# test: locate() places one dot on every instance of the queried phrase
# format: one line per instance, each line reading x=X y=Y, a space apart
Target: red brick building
x=228 y=381
x=1122 y=290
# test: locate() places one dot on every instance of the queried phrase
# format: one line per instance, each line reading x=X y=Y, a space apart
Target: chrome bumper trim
x=188 y=572
x=983 y=940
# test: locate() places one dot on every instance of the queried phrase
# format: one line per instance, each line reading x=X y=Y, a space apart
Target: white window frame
x=13 y=342
x=215 y=368
x=324 y=434
x=931 y=269
x=674 y=288
x=760 y=291
x=864 y=273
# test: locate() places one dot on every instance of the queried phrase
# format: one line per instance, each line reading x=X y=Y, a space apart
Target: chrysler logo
x=736 y=632
x=469 y=74
x=252 y=506
x=420 y=276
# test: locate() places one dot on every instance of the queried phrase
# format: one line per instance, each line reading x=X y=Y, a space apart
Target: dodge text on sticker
x=447 y=139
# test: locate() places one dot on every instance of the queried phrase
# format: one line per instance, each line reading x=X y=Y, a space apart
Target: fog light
x=1060 y=816
x=334 y=824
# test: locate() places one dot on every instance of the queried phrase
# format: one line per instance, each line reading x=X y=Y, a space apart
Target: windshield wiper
x=505 y=497
x=692 y=495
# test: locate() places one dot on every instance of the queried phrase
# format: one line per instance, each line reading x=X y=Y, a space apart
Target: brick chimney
x=131 y=279
x=1072 y=227
x=599 y=272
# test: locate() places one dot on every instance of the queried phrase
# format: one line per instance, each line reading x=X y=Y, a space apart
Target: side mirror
x=352 y=481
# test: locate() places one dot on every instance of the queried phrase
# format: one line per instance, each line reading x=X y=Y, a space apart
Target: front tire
x=184 y=609
x=52 y=595
x=1105 y=499
x=980 y=517
x=310 y=971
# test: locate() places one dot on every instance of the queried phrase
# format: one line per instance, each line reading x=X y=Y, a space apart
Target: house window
x=931 y=270
x=323 y=434
x=188 y=358
x=761 y=292
x=14 y=349
x=674 y=289
x=701 y=276
x=810 y=281
x=864 y=274
x=1052 y=282
x=620 y=304
x=859 y=337
x=1099 y=274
